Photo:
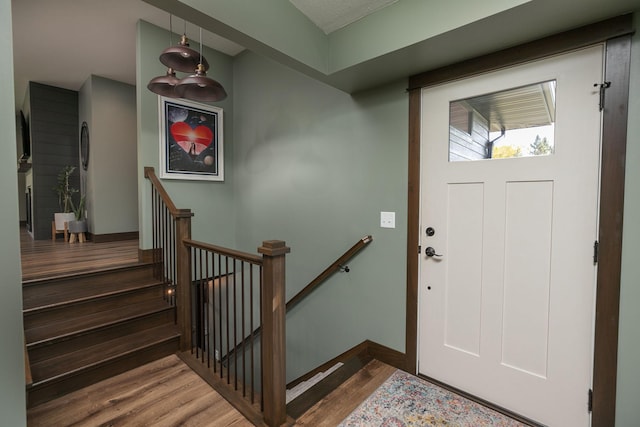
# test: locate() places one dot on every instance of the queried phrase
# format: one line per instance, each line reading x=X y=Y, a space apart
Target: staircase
x=83 y=328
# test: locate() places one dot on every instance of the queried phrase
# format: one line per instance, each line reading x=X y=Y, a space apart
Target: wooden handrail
x=150 y=174
x=328 y=271
x=243 y=256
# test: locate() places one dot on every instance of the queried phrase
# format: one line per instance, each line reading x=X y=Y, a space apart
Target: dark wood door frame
x=615 y=33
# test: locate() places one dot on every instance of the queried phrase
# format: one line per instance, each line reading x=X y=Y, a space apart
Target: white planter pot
x=60 y=218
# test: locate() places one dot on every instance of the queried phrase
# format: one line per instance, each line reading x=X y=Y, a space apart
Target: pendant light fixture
x=182 y=57
x=198 y=86
x=165 y=85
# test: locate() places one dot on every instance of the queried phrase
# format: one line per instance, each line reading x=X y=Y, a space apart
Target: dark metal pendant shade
x=196 y=87
x=199 y=87
x=182 y=57
x=165 y=85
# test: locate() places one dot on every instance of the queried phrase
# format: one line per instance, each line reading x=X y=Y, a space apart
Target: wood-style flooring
x=47 y=258
x=162 y=393
x=168 y=393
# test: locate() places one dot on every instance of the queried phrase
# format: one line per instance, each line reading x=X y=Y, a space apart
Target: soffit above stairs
x=402 y=38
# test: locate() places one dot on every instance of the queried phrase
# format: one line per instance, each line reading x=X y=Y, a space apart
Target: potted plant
x=65 y=197
x=79 y=223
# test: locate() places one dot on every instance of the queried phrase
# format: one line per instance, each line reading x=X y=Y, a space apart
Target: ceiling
x=63 y=42
x=349 y=44
x=331 y=15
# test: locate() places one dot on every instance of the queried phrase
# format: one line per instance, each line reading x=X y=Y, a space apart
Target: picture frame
x=191 y=140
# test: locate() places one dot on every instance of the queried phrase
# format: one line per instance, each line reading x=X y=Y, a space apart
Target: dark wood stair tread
x=84 y=323
x=70 y=364
x=44 y=316
x=87 y=271
x=44 y=301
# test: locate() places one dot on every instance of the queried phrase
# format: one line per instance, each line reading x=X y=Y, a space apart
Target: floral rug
x=404 y=400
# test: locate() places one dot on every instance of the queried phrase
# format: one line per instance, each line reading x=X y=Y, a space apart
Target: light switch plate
x=388 y=219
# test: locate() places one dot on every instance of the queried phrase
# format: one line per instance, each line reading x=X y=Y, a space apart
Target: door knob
x=430 y=252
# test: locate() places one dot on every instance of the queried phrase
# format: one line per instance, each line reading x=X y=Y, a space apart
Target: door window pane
x=512 y=123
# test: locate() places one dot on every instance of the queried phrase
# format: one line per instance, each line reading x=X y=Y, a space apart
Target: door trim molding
x=614 y=145
x=616 y=34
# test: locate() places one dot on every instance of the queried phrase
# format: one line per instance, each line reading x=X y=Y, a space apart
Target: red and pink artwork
x=191 y=141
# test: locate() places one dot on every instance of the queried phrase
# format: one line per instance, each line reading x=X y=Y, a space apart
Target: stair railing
x=338 y=265
x=233 y=293
x=220 y=293
x=170 y=226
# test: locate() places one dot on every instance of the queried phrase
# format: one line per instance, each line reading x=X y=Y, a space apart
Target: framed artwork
x=191 y=140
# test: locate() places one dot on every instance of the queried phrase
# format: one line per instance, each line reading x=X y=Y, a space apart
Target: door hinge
x=590 y=403
x=419 y=249
x=603 y=87
x=595 y=252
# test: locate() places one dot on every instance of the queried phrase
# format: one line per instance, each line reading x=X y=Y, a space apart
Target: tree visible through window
x=540 y=147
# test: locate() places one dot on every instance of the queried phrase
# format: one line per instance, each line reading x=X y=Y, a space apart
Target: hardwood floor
x=162 y=393
x=47 y=258
x=168 y=393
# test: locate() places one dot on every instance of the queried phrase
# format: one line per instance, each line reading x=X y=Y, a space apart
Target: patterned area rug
x=404 y=400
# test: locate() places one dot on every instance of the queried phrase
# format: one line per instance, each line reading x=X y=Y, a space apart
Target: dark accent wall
x=54 y=144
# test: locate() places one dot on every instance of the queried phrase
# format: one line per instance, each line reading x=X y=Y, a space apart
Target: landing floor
x=162 y=393
x=47 y=258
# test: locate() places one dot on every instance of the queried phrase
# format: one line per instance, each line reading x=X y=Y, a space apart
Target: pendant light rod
x=165 y=85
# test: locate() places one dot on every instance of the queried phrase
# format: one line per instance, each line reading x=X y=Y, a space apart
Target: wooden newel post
x=183 y=278
x=273 y=331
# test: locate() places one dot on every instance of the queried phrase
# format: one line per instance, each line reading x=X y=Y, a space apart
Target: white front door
x=506 y=311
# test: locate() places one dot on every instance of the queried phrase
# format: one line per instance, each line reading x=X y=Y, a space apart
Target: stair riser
x=42 y=393
x=54 y=348
x=57 y=290
x=46 y=316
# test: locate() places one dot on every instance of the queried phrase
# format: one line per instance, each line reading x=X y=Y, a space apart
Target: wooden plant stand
x=65 y=231
x=79 y=236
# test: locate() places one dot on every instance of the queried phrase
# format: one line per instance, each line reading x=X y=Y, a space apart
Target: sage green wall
x=109 y=107
x=12 y=396
x=628 y=393
x=212 y=202
x=314 y=167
